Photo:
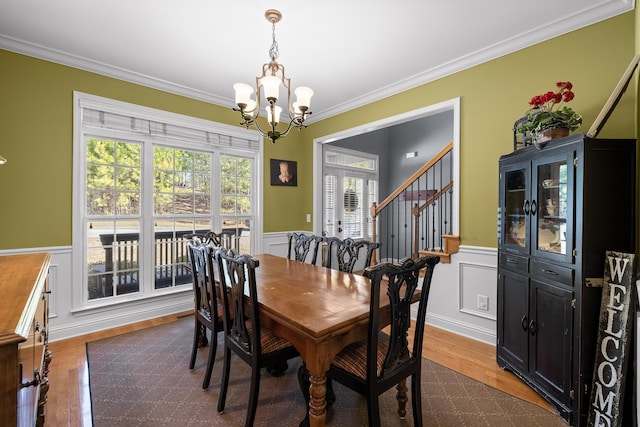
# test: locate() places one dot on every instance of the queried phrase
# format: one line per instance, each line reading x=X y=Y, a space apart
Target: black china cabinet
x=560 y=208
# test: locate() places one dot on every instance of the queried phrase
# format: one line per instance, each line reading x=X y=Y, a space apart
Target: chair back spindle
x=300 y=244
x=347 y=252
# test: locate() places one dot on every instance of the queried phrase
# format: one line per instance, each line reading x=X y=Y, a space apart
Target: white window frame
x=83 y=101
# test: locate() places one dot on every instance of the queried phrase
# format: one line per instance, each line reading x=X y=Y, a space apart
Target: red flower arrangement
x=547 y=112
x=549 y=99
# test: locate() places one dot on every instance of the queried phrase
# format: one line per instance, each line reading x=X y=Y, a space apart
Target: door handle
x=523 y=322
x=532 y=327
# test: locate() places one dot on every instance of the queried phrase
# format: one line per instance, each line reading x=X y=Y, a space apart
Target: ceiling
x=350 y=52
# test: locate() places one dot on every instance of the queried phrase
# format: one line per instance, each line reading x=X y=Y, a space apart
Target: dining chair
x=255 y=344
x=372 y=366
x=207 y=310
x=348 y=251
x=300 y=244
x=221 y=240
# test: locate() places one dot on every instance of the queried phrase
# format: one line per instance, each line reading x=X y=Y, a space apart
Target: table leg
x=317 y=402
x=401 y=396
x=305 y=383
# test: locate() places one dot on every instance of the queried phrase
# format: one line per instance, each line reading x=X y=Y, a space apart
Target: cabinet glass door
x=516 y=209
x=554 y=183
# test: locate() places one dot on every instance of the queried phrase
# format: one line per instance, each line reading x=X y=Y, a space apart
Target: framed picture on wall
x=284 y=172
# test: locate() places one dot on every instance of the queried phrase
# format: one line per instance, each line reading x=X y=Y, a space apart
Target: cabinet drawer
x=514 y=262
x=556 y=273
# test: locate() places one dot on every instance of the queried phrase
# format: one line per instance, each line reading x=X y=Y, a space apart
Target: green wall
x=36 y=128
x=495 y=94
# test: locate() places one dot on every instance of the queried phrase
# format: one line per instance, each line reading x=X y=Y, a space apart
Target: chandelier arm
x=293 y=124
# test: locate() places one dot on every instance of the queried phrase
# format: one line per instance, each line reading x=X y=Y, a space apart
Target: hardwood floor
x=69 y=402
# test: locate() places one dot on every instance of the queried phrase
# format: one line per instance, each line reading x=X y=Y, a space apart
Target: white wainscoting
x=452 y=301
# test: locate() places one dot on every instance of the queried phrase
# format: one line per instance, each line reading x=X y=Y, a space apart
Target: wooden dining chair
x=348 y=252
x=211 y=238
x=372 y=366
x=207 y=310
x=300 y=244
x=255 y=344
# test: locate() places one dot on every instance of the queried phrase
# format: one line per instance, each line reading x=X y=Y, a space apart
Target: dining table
x=320 y=311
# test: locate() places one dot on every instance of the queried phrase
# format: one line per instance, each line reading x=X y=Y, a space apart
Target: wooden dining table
x=319 y=310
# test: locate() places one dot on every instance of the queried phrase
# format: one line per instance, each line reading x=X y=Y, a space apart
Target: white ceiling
x=351 y=52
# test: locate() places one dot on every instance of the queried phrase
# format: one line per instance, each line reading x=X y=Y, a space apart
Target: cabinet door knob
x=534 y=207
x=525 y=207
x=523 y=322
x=532 y=327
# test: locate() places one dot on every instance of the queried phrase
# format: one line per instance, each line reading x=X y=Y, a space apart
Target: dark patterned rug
x=142 y=379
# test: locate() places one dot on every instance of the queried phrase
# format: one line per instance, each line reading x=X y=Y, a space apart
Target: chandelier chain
x=273 y=50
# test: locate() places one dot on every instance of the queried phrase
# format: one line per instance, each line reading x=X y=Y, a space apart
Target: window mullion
x=148 y=239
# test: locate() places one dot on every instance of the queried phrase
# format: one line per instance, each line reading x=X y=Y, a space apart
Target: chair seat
x=269 y=342
x=353 y=358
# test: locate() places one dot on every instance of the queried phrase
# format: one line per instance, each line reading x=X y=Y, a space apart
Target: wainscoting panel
x=454 y=294
x=478 y=290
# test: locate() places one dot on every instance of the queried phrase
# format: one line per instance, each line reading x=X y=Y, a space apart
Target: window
x=143 y=179
x=236 y=200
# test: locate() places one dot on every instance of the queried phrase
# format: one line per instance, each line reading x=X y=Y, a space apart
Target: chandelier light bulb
x=277 y=110
x=304 y=95
x=296 y=109
x=251 y=107
x=243 y=94
x=271 y=85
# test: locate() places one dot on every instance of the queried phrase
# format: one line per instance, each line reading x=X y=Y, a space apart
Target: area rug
x=143 y=379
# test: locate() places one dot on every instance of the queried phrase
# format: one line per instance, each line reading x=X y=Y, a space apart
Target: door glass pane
x=236 y=201
x=352 y=222
x=552 y=209
x=515 y=199
x=330 y=188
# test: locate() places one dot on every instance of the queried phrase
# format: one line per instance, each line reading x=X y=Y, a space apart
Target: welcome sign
x=610 y=369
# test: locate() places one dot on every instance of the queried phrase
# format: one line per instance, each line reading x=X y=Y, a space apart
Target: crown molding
x=605 y=10
x=81 y=63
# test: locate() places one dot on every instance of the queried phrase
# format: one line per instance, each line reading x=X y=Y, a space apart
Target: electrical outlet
x=483 y=302
x=308 y=217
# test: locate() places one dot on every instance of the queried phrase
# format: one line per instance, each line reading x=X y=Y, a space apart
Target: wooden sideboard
x=24 y=353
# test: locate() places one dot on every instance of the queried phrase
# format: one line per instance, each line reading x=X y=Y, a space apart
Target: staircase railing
x=417 y=217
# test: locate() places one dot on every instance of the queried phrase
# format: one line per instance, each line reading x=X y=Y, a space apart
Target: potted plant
x=548 y=117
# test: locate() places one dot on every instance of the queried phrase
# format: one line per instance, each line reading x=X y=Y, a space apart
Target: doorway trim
x=448 y=105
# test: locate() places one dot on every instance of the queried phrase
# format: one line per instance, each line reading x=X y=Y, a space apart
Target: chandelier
x=268 y=84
